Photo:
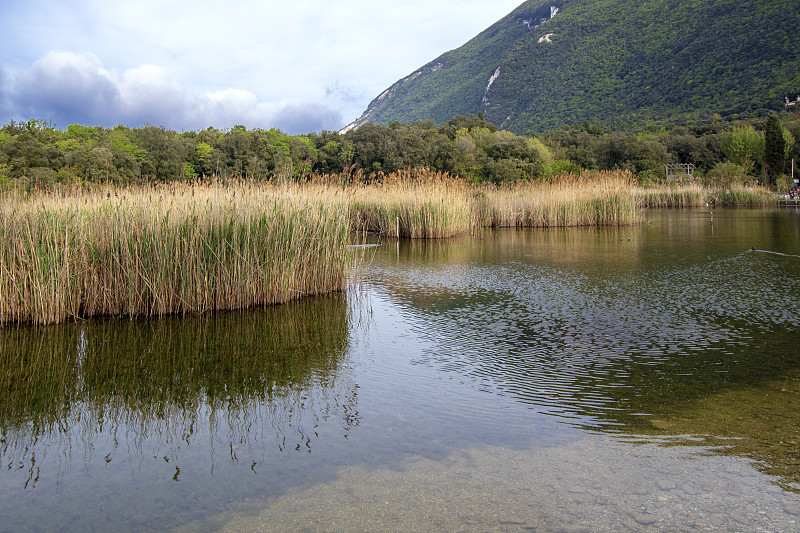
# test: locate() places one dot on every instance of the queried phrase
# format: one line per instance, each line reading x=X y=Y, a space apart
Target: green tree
x=774 y=149
x=788 y=140
x=742 y=147
x=5 y=172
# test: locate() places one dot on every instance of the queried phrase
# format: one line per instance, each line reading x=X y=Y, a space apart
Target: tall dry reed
x=178 y=248
x=151 y=251
x=593 y=199
x=420 y=204
x=697 y=195
x=413 y=204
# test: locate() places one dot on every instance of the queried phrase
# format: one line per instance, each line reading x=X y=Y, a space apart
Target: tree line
x=37 y=153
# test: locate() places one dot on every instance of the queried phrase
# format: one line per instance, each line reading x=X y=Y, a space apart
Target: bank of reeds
x=180 y=248
x=697 y=195
x=420 y=204
x=414 y=204
x=593 y=199
x=151 y=251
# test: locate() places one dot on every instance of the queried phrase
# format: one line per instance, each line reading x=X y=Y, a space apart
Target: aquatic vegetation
x=155 y=250
x=593 y=199
x=424 y=204
x=412 y=204
x=696 y=195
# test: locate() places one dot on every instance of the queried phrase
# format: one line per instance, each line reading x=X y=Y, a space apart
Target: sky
x=296 y=65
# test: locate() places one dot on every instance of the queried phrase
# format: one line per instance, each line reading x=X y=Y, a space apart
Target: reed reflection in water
x=226 y=385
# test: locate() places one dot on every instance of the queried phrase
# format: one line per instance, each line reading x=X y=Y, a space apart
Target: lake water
x=621 y=379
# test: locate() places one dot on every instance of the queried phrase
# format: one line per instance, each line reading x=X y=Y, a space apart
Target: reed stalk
x=593 y=199
x=435 y=205
x=414 y=204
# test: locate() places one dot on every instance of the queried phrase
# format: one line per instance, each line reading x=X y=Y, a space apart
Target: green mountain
x=623 y=63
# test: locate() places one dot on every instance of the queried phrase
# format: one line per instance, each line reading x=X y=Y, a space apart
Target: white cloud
x=69 y=84
x=191 y=64
x=68 y=88
x=4 y=105
x=231 y=107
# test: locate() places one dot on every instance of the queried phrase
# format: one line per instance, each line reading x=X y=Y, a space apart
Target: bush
x=727 y=174
x=561 y=167
x=784 y=183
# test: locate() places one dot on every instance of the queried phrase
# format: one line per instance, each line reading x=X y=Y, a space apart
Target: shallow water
x=518 y=380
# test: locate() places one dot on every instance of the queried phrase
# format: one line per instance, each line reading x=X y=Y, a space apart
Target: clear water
x=517 y=380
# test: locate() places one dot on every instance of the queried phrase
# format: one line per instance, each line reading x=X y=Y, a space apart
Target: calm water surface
x=643 y=378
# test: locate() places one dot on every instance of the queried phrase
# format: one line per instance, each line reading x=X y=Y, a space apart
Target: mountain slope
x=552 y=63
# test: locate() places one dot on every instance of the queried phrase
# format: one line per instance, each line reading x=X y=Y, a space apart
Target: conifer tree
x=774 y=149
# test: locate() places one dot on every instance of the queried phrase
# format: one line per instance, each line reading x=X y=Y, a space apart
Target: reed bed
x=697 y=195
x=593 y=199
x=420 y=204
x=156 y=250
x=414 y=204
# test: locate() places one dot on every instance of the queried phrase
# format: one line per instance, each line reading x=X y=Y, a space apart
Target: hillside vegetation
x=620 y=63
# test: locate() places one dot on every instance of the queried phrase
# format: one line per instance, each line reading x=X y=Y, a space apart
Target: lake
x=612 y=379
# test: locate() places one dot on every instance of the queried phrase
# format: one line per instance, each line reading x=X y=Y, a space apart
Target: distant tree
x=743 y=146
x=470 y=122
x=774 y=149
x=628 y=152
x=788 y=140
x=727 y=173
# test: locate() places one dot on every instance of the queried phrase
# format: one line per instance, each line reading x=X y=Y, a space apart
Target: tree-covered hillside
x=620 y=63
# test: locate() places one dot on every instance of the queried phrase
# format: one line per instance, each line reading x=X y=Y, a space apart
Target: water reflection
x=228 y=384
x=492 y=369
x=626 y=330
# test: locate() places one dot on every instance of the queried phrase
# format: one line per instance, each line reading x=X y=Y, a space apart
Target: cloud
x=309 y=117
x=67 y=88
x=149 y=94
x=63 y=86
x=235 y=105
x=3 y=98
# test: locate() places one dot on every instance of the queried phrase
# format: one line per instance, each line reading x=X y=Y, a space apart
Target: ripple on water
x=590 y=342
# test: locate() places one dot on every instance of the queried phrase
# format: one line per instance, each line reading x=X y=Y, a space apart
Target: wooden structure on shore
x=676 y=171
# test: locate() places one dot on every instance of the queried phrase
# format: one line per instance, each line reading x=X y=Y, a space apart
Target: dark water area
x=574 y=379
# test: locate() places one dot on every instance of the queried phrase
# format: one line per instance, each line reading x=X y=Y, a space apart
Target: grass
x=152 y=250
x=420 y=204
x=412 y=204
